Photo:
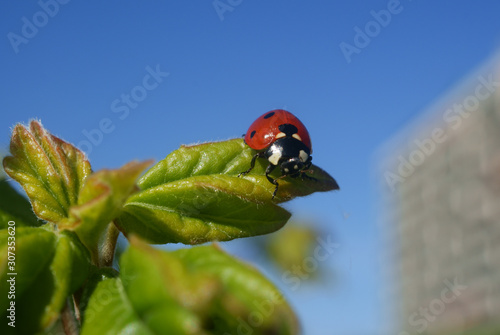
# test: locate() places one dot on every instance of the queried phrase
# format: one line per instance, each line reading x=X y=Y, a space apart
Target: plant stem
x=109 y=245
x=69 y=322
x=76 y=305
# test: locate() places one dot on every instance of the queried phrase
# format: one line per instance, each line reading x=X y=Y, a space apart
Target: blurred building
x=441 y=182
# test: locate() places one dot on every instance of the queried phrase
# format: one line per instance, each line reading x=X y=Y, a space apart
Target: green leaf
x=195 y=195
x=199 y=290
x=232 y=157
x=32 y=250
x=250 y=300
x=96 y=275
x=291 y=246
x=109 y=312
x=49 y=268
x=15 y=207
x=227 y=157
x=50 y=170
x=156 y=278
x=100 y=201
x=169 y=280
x=201 y=209
x=69 y=268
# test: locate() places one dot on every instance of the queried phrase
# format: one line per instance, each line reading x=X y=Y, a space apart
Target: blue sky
x=84 y=70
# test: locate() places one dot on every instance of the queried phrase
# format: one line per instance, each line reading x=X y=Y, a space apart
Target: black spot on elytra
x=288 y=129
x=252 y=134
x=268 y=115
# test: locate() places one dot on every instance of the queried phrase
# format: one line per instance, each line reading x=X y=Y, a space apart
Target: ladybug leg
x=270 y=169
x=304 y=176
x=252 y=163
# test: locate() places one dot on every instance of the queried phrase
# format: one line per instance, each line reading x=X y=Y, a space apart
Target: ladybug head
x=294 y=165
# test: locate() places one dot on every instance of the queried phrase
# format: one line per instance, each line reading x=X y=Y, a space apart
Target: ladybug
x=284 y=141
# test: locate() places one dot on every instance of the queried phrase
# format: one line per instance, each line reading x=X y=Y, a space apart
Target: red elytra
x=262 y=133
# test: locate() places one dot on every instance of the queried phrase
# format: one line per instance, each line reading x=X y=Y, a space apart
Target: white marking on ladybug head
x=275 y=157
x=295 y=167
x=297 y=137
x=287 y=170
x=303 y=156
x=280 y=135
